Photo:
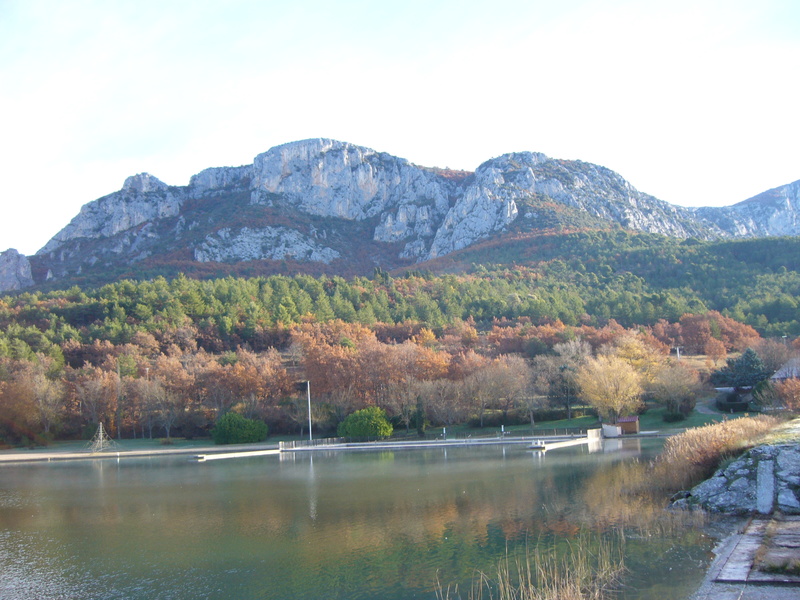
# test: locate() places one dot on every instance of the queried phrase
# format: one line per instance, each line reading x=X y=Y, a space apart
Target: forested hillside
x=505 y=335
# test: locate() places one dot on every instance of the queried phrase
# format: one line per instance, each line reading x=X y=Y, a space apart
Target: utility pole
x=299 y=387
x=308 y=392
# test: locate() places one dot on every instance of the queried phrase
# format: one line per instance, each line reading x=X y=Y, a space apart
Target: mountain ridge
x=325 y=202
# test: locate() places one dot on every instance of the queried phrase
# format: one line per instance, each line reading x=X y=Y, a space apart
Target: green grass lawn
x=125 y=444
x=651 y=420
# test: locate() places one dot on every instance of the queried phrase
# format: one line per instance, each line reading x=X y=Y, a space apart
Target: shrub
x=233 y=428
x=370 y=422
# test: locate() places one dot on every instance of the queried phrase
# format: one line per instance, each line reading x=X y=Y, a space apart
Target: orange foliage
x=789 y=392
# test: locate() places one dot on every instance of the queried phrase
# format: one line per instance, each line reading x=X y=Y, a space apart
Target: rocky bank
x=761 y=481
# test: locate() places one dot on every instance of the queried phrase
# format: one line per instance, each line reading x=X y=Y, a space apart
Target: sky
x=694 y=102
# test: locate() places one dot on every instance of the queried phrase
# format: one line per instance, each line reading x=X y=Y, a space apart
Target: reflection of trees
x=622 y=496
x=406 y=517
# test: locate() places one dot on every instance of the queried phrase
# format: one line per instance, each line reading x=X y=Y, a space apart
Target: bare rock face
x=15 y=271
x=775 y=212
x=762 y=480
x=254 y=212
x=142 y=198
x=335 y=179
x=217 y=180
x=274 y=243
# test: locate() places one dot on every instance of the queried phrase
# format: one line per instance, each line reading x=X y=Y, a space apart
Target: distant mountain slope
x=321 y=205
x=774 y=212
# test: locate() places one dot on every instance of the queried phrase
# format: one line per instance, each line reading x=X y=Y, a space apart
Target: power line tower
x=101 y=442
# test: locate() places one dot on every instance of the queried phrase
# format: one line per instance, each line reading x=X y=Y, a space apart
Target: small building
x=790 y=370
x=629 y=424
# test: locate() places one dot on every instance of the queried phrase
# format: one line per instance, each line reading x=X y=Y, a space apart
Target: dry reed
x=633 y=496
x=577 y=573
x=693 y=455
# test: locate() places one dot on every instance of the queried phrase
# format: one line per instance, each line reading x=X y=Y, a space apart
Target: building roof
x=790 y=370
x=632 y=419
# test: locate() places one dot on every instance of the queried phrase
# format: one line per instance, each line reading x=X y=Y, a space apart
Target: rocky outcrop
x=219 y=180
x=413 y=213
x=273 y=243
x=764 y=479
x=142 y=198
x=336 y=179
x=15 y=271
x=775 y=212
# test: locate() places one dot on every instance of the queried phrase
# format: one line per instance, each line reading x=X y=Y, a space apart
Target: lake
x=352 y=525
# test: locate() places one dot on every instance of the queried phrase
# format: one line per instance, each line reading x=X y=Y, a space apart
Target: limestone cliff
x=335 y=179
x=142 y=198
x=774 y=212
x=329 y=202
x=15 y=271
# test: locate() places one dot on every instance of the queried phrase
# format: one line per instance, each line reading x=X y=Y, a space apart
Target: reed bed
x=693 y=455
x=587 y=569
x=627 y=500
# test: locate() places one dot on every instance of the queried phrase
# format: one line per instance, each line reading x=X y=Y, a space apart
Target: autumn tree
x=611 y=385
x=644 y=353
x=411 y=364
x=773 y=353
x=18 y=420
x=676 y=386
x=167 y=404
x=789 y=393
x=48 y=396
x=442 y=401
x=97 y=395
x=715 y=350
x=512 y=375
x=554 y=375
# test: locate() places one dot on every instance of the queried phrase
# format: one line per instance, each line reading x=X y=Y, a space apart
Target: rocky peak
x=774 y=212
x=143 y=183
x=337 y=179
x=220 y=179
x=15 y=271
x=141 y=199
x=304 y=201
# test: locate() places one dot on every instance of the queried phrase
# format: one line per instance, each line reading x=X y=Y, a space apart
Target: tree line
x=171 y=374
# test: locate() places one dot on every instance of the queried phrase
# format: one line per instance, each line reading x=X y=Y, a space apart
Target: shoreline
x=35 y=456
x=710 y=589
x=23 y=456
x=729 y=555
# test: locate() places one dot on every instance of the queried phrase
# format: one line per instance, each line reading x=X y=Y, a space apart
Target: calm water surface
x=353 y=525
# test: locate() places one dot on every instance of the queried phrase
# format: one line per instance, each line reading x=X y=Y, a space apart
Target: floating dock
x=245 y=454
x=543 y=445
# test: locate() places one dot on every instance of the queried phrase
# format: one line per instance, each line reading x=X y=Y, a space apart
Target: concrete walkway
x=768 y=538
x=21 y=456
x=734 y=574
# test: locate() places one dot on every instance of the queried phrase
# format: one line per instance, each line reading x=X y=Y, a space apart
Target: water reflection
x=340 y=525
x=312 y=490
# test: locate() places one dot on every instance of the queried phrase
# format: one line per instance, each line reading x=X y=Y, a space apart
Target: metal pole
x=308 y=391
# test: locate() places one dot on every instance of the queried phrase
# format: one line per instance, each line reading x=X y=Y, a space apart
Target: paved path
x=732 y=575
x=706 y=407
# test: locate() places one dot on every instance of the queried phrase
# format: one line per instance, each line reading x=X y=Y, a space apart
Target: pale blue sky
x=694 y=102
